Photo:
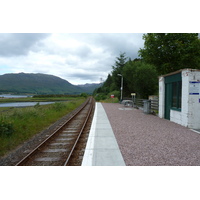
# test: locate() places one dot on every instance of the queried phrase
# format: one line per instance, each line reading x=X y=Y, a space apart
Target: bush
x=58 y=106
x=6 y=128
x=26 y=113
x=37 y=105
x=84 y=95
x=100 y=97
x=117 y=94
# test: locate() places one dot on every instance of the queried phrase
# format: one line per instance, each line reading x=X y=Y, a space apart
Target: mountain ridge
x=38 y=83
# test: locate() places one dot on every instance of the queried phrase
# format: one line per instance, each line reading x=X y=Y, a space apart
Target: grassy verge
x=19 y=124
x=110 y=100
x=37 y=99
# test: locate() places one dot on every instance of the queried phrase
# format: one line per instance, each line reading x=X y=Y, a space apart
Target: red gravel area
x=147 y=140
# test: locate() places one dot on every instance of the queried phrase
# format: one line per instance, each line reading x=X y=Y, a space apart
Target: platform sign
x=133 y=94
x=112 y=96
x=194 y=88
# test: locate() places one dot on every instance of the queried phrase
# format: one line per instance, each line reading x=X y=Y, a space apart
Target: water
x=23 y=104
x=13 y=96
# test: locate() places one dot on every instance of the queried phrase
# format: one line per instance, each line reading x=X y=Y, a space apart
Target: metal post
x=121 y=87
x=132 y=100
x=133 y=94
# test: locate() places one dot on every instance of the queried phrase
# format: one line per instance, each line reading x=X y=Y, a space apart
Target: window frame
x=176 y=95
x=175 y=79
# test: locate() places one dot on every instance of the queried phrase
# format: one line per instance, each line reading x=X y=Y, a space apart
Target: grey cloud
x=83 y=51
x=122 y=42
x=114 y=43
x=93 y=76
x=70 y=62
x=110 y=45
x=16 y=44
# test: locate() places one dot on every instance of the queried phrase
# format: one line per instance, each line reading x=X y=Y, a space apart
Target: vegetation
x=6 y=128
x=89 y=87
x=171 y=51
x=141 y=78
x=40 y=84
x=138 y=77
x=162 y=53
x=110 y=100
x=19 y=124
x=44 y=98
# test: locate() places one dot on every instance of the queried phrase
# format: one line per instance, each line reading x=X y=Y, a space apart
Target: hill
x=37 y=84
x=90 y=87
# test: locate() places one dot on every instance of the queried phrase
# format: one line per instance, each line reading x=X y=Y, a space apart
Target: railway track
x=65 y=146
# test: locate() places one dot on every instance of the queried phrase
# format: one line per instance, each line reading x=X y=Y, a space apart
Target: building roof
x=178 y=71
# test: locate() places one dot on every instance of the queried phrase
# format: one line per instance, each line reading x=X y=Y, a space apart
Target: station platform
x=102 y=148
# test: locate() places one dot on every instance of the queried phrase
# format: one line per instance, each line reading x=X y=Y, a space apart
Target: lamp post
x=121 y=86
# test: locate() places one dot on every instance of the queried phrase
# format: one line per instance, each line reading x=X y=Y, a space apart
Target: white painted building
x=179 y=97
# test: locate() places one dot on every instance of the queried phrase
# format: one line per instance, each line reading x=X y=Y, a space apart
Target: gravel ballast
x=147 y=140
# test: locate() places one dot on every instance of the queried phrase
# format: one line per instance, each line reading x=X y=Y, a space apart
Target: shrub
x=84 y=95
x=115 y=93
x=100 y=97
x=58 y=106
x=37 y=105
x=6 y=128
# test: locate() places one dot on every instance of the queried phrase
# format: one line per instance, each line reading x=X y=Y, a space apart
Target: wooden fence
x=140 y=103
x=155 y=105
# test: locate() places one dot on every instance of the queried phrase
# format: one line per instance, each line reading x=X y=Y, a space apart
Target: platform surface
x=102 y=148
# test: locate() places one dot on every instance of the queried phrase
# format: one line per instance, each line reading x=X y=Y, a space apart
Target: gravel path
x=147 y=140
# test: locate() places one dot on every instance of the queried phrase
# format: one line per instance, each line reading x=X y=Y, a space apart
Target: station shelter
x=179 y=97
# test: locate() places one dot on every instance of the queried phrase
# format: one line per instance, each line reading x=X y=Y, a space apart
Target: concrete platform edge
x=88 y=155
x=102 y=148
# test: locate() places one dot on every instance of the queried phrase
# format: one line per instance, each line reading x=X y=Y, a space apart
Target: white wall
x=161 y=111
x=193 y=104
x=176 y=116
x=185 y=97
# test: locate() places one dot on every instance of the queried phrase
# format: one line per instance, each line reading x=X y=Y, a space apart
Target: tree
x=118 y=69
x=129 y=72
x=108 y=81
x=142 y=78
x=106 y=87
x=146 y=80
x=171 y=51
x=113 y=81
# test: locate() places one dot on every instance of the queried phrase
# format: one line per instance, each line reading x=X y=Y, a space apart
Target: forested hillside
x=37 y=84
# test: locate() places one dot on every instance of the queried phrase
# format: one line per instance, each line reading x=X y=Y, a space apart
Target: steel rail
x=81 y=131
x=25 y=159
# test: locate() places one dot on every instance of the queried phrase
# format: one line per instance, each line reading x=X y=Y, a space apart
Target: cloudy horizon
x=79 y=58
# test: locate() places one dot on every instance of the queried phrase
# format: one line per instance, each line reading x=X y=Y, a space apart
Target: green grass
x=20 y=124
x=110 y=100
x=36 y=99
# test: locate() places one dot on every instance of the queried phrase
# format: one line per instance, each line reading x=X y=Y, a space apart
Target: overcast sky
x=104 y=29
x=78 y=58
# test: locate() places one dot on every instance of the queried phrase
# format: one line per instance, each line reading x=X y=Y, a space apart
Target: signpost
x=194 y=88
x=133 y=95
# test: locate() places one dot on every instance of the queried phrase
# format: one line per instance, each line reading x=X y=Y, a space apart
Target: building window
x=176 y=95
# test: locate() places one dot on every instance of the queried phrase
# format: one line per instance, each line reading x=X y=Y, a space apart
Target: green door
x=168 y=101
